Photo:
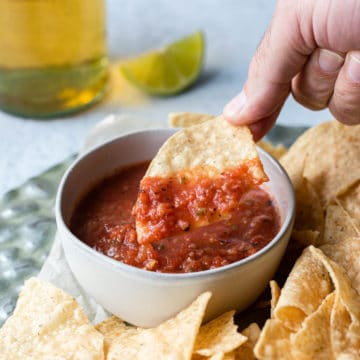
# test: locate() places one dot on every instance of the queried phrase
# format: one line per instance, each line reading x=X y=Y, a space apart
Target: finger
x=261 y=127
x=280 y=56
x=314 y=85
x=345 y=102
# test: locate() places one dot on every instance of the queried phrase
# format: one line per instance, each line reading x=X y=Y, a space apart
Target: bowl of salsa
x=146 y=283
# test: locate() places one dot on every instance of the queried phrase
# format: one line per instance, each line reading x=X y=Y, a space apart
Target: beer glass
x=52 y=56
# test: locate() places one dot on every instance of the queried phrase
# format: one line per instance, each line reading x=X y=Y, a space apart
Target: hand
x=312 y=48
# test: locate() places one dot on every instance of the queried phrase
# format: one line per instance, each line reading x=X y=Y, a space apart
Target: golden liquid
x=52 y=55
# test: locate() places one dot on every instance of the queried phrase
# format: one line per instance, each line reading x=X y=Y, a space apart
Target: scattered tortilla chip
x=345 y=317
x=275 y=294
x=346 y=254
x=294 y=160
x=217 y=356
x=313 y=340
x=345 y=334
x=48 y=324
x=338 y=225
x=275 y=151
x=306 y=238
x=173 y=339
x=309 y=216
x=341 y=242
x=230 y=356
x=186 y=119
x=274 y=342
x=309 y=212
x=203 y=154
x=304 y=290
x=246 y=350
x=345 y=291
x=350 y=200
x=327 y=155
x=334 y=150
x=114 y=329
x=218 y=336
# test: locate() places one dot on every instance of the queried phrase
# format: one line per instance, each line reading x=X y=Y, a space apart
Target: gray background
x=233 y=28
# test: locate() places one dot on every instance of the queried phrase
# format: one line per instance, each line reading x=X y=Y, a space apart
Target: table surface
x=232 y=28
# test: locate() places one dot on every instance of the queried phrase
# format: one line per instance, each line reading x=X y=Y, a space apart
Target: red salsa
x=104 y=221
x=169 y=206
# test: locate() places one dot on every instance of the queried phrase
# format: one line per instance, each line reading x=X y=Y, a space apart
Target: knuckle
x=345 y=112
x=309 y=100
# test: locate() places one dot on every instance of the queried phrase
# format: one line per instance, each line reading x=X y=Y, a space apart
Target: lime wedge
x=169 y=70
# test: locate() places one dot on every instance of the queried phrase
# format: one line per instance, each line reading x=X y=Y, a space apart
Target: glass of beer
x=52 y=56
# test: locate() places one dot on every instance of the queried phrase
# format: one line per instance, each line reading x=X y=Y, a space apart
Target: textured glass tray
x=27 y=224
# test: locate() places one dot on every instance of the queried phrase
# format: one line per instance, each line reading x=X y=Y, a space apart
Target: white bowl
x=147 y=298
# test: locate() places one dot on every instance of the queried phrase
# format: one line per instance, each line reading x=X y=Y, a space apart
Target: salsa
x=170 y=206
x=104 y=220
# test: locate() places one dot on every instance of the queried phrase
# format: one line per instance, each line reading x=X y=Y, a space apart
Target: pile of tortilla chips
x=317 y=313
x=50 y=324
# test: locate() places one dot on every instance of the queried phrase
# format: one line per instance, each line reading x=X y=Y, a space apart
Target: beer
x=52 y=55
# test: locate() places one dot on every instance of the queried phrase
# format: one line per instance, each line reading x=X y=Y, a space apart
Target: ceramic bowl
x=146 y=298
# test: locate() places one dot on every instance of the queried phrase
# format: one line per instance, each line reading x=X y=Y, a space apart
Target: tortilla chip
x=294 y=160
x=306 y=238
x=350 y=201
x=309 y=212
x=218 y=335
x=210 y=147
x=48 y=324
x=246 y=350
x=275 y=151
x=275 y=294
x=216 y=356
x=334 y=151
x=187 y=119
x=173 y=339
x=313 y=340
x=321 y=154
x=304 y=290
x=230 y=356
x=274 y=342
x=345 y=317
x=114 y=329
x=338 y=225
x=345 y=334
x=309 y=216
x=346 y=254
x=196 y=154
x=349 y=296
x=221 y=356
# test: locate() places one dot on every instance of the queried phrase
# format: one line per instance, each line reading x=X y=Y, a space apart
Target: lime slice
x=169 y=70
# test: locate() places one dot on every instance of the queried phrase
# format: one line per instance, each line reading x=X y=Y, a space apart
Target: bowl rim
x=118 y=265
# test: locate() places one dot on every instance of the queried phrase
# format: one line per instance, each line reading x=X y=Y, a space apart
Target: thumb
x=279 y=57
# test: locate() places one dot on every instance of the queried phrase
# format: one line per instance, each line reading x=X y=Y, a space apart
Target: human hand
x=312 y=48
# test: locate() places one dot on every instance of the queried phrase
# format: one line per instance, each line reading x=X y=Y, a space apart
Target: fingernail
x=234 y=107
x=354 y=68
x=329 y=61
